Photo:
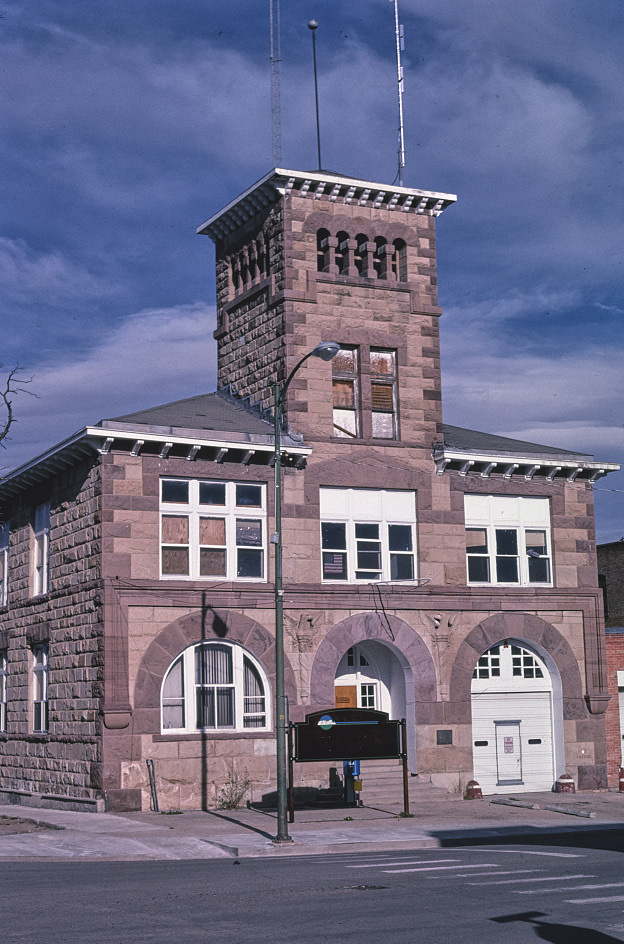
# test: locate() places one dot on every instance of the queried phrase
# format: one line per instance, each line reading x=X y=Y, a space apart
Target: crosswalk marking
x=440 y=868
x=593 y=901
x=540 y=878
x=574 y=888
x=508 y=872
x=378 y=865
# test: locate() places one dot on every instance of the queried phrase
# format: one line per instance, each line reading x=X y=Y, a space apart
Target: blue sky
x=125 y=125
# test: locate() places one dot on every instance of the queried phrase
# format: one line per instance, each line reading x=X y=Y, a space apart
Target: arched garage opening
x=517 y=723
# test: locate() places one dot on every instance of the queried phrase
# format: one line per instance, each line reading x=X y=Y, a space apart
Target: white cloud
x=154 y=357
x=49 y=276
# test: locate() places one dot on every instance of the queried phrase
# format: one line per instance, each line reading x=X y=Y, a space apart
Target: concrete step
x=382 y=785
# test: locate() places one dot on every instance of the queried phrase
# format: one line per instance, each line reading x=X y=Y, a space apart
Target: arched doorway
x=516 y=719
x=369 y=675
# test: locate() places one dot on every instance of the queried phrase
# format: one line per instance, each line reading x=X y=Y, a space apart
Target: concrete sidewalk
x=248 y=833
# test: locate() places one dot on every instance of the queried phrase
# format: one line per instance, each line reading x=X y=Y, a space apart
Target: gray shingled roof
x=469 y=440
x=208 y=411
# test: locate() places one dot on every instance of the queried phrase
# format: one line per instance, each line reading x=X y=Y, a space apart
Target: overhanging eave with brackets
x=517 y=467
x=92 y=441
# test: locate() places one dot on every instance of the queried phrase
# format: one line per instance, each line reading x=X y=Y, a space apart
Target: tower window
x=346 y=392
x=383 y=393
x=380 y=261
x=342 y=253
x=399 y=260
x=361 y=254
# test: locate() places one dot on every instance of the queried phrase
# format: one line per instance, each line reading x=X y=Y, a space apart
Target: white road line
x=541 y=878
x=441 y=868
x=557 y=855
x=574 y=888
x=377 y=865
x=592 y=901
x=509 y=872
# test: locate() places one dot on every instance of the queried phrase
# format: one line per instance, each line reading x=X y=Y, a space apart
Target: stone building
x=441 y=575
x=611 y=580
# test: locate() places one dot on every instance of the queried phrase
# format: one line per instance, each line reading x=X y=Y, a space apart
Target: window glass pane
x=381 y=398
x=367 y=531
x=539 y=570
x=344 y=361
x=344 y=394
x=367 y=575
x=173 y=716
x=506 y=541
x=213 y=665
x=173 y=687
x=250 y=495
x=212 y=493
x=225 y=707
x=249 y=563
x=4 y=536
x=42 y=517
x=175 y=529
x=401 y=567
x=248 y=533
x=211 y=563
x=369 y=560
x=536 y=541
x=334 y=535
x=478 y=569
x=399 y=537
x=507 y=569
x=334 y=566
x=382 y=362
x=382 y=425
x=175 y=491
x=476 y=541
x=205 y=708
x=345 y=423
x=175 y=560
x=212 y=531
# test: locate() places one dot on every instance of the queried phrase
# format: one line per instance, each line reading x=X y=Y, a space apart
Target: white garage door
x=512 y=728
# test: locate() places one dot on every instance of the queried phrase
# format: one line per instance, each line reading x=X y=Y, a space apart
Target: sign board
x=347 y=734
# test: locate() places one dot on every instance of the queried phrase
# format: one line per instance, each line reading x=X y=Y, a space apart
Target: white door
x=508 y=752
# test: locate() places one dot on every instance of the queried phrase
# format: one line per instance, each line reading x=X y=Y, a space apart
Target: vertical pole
x=404 y=756
x=313 y=25
x=280 y=695
x=291 y=789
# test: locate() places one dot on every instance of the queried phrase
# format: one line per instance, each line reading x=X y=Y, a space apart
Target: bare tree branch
x=13 y=384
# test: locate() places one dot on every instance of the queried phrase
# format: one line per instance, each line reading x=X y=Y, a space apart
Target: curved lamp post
x=326 y=350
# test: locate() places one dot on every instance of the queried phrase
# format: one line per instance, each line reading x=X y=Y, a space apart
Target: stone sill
x=214 y=736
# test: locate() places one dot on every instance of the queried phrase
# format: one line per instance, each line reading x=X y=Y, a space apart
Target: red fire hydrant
x=565 y=784
x=473 y=791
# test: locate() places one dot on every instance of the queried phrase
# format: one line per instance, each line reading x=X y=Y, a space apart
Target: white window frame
x=522 y=515
x=353 y=507
x=4 y=563
x=620 y=684
x=4 y=671
x=40 y=678
x=232 y=514
x=41 y=549
x=246 y=712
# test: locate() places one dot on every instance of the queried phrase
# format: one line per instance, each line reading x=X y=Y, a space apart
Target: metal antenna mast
x=276 y=105
x=400 y=45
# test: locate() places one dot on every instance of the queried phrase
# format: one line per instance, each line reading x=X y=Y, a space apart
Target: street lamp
x=326 y=350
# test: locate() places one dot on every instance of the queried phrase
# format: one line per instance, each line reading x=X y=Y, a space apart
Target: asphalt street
x=570 y=893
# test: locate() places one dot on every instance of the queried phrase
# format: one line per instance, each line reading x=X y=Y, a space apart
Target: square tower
x=309 y=257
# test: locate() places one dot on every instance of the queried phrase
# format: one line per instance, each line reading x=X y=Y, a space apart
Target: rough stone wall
x=65 y=760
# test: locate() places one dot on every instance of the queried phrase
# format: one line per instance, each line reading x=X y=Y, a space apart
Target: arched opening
x=399 y=260
x=322 y=250
x=371 y=675
x=342 y=252
x=360 y=257
x=517 y=720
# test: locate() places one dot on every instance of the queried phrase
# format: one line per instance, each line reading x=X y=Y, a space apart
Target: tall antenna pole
x=276 y=105
x=400 y=44
x=313 y=25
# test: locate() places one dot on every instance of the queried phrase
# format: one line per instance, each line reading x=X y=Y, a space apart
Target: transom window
x=508 y=540
x=4 y=563
x=215 y=686
x=367 y=534
x=507 y=661
x=212 y=529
